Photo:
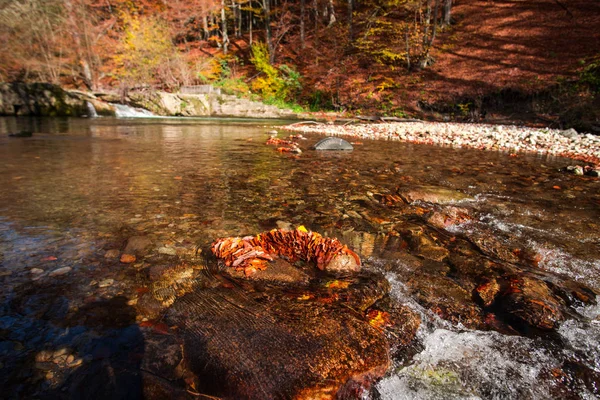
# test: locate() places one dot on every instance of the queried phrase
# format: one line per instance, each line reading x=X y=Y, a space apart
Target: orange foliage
x=251 y=253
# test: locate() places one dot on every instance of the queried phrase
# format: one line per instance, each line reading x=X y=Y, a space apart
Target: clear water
x=80 y=187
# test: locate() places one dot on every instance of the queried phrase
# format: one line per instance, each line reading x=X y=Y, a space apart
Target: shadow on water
x=94 y=352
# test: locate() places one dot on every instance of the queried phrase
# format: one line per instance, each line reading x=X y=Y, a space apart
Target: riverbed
x=75 y=193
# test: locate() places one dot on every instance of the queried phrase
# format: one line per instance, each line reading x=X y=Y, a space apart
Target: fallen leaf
x=337 y=284
x=127 y=258
x=49 y=258
x=378 y=319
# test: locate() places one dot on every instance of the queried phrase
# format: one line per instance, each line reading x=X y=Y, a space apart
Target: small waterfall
x=125 y=111
x=91 y=109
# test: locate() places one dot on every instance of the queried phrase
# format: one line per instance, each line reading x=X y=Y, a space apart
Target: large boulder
x=41 y=99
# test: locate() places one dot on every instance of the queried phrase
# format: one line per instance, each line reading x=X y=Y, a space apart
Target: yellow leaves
x=144 y=49
x=301 y=228
x=379 y=319
x=335 y=284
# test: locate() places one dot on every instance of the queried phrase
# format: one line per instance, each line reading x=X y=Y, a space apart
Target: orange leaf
x=127 y=258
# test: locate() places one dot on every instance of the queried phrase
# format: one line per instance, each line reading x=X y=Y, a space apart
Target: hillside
x=502 y=53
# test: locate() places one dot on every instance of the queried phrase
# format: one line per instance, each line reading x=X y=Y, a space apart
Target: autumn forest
x=386 y=56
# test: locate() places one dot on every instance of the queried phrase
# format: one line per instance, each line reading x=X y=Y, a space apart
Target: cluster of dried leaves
x=286 y=146
x=252 y=253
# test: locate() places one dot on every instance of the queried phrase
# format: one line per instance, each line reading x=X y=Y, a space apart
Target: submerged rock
x=138 y=245
x=530 y=303
x=21 y=134
x=432 y=194
x=333 y=143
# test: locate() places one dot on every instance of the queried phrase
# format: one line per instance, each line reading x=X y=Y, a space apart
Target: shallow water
x=80 y=187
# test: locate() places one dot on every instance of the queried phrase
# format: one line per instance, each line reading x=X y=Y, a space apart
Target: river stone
x=448 y=217
x=138 y=245
x=282 y=346
x=448 y=300
x=530 y=303
x=432 y=194
x=60 y=271
x=343 y=263
x=277 y=271
x=169 y=251
x=112 y=254
x=333 y=143
x=569 y=133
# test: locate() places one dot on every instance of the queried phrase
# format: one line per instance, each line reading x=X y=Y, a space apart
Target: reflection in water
x=80 y=188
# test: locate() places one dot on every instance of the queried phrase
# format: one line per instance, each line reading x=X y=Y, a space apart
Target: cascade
x=125 y=111
x=91 y=110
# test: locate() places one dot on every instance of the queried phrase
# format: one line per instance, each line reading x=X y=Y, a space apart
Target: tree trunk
x=268 y=35
x=224 y=27
x=447 y=11
x=406 y=37
x=316 y=10
x=239 y=13
x=250 y=27
x=331 y=11
x=302 y=32
x=86 y=72
x=350 y=27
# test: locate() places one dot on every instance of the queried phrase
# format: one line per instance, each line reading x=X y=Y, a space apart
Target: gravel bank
x=513 y=139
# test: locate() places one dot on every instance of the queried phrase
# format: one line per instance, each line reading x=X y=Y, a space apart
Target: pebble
x=76 y=362
x=106 y=282
x=170 y=251
x=43 y=355
x=70 y=359
x=59 y=352
x=510 y=138
x=112 y=253
x=36 y=271
x=60 y=271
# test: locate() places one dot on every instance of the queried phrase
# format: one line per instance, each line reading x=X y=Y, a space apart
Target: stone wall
x=44 y=99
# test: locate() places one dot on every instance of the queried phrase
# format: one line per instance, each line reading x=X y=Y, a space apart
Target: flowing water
x=81 y=187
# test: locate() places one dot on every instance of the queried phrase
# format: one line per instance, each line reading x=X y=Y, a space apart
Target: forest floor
x=512 y=49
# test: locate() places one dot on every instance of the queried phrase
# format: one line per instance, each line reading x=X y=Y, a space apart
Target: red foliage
x=251 y=253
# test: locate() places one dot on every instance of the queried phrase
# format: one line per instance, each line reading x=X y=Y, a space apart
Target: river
x=74 y=193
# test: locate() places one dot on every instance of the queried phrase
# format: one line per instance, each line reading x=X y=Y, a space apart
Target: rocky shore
x=513 y=139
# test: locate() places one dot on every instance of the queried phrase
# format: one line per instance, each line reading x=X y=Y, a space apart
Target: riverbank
x=507 y=138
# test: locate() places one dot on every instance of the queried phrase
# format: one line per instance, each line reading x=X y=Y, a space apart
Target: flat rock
x=432 y=194
x=60 y=271
x=530 y=303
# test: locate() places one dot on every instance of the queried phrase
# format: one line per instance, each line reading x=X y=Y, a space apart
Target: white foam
x=583 y=337
x=125 y=111
x=471 y=365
